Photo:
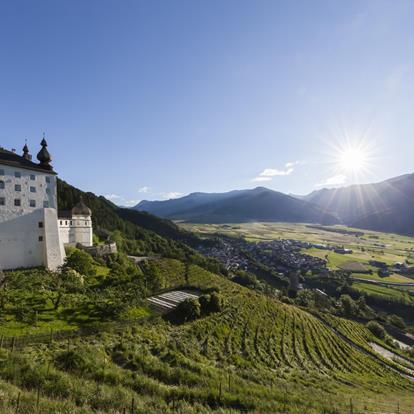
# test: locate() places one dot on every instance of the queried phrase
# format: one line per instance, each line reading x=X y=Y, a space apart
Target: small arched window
x=1 y=184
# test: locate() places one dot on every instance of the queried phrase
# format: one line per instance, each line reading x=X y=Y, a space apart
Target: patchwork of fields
x=365 y=246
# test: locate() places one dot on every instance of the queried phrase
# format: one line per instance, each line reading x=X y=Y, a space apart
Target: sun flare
x=352 y=160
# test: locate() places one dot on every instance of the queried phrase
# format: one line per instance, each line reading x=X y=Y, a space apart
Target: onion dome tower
x=81 y=209
x=44 y=156
x=26 y=154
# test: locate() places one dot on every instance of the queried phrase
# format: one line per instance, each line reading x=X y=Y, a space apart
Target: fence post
x=132 y=405
x=18 y=403
x=351 y=407
x=38 y=399
x=13 y=343
x=220 y=389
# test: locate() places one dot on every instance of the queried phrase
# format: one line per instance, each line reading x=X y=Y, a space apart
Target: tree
x=81 y=261
x=377 y=329
x=188 y=310
x=305 y=298
x=397 y=321
x=348 y=306
x=210 y=303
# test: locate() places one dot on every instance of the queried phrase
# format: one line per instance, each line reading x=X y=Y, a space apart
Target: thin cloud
x=336 y=180
x=144 y=189
x=130 y=203
x=172 y=194
x=268 y=173
x=112 y=197
x=261 y=179
x=121 y=201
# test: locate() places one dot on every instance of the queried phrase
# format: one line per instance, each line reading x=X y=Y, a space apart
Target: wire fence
x=19 y=342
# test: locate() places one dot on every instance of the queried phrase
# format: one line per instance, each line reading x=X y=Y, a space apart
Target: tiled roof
x=14 y=160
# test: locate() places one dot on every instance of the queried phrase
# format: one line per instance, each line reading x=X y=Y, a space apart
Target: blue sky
x=152 y=99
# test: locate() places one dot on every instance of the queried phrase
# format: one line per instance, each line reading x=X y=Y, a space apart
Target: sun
x=352 y=160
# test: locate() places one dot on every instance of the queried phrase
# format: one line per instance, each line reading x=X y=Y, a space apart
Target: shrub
x=211 y=303
x=396 y=321
x=81 y=261
x=348 y=307
x=376 y=329
x=188 y=310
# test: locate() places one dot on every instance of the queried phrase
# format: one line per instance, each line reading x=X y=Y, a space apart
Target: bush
x=81 y=261
x=211 y=303
x=348 y=307
x=396 y=321
x=377 y=329
x=188 y=310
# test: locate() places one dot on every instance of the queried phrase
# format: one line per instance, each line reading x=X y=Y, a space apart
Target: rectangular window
x=45 y=204
x=1 y=171
x=2 y=201
x=71 y=222
x=47 y=190
x=61 y=222
x=2 y=185
x=17 y=174
x=17 y=202
x=32 y=177
x=40 y=238
x=40 y=224
x=32 y=189
x=17 y=187
x=32 y=203
x=48 y=179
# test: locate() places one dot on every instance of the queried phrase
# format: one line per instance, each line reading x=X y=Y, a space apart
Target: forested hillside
x=140 y=233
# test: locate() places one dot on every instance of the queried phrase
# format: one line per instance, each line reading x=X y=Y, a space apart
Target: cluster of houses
x=385 y=270
x=336 y=249
x=227 y=252
x=283 y=256
x=286 y=255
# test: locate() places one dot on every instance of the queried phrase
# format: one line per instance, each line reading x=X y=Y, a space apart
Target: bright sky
x=152 y=99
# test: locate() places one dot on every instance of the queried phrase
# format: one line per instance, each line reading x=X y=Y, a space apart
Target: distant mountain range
x=259 y=204
x=386 y=206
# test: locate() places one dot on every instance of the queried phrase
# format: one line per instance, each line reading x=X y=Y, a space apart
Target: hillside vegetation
x=256 y=355
x=252 y=354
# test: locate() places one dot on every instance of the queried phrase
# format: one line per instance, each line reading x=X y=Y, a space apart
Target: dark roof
x=14 y=160
x=64 y=214
x=81 y=209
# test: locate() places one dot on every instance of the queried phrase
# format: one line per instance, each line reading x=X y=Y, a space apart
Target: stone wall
x=100 y=250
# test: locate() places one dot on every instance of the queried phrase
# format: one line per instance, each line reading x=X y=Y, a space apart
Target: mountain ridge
x=381 y=206
x=258 y=204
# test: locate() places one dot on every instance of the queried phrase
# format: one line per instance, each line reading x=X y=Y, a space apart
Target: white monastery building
x=31 y=233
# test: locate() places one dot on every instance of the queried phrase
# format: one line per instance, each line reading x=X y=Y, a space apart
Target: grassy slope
x=258 y=354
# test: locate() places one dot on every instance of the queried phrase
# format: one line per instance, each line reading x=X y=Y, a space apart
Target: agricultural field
x=386 y=247
x=256 y=355
x=366 y=245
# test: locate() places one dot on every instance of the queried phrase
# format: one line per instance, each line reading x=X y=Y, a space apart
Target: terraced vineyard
x=258 y=355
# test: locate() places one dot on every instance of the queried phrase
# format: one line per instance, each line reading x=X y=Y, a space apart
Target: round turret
x=81 y=209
